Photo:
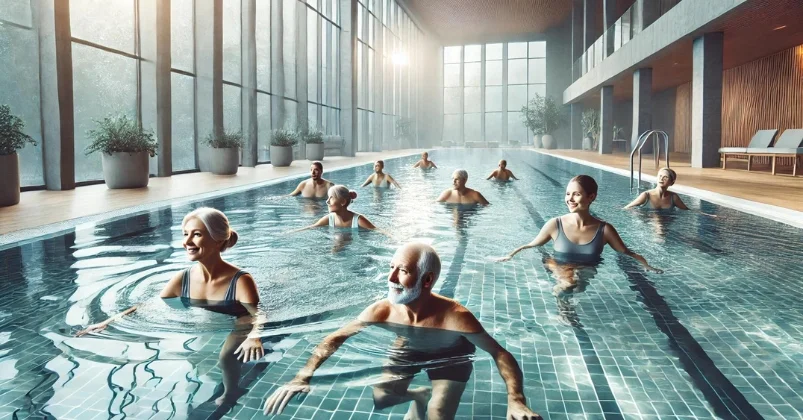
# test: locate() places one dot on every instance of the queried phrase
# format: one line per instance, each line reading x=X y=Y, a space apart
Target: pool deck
x=777 y=197
x=45 y=208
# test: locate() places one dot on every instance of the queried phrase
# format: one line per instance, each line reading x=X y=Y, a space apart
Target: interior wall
x=682 y=139
x=663 y=113
x=559 y=75
x=623 y=117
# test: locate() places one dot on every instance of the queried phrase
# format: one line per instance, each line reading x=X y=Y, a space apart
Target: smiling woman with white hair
x=216 y=285
x=459 y=193
x=340 y=197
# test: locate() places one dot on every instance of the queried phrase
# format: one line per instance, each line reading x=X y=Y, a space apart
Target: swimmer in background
x=215 y=285
x=340 y=197
x=660 y=198
x=379 y=178
x=578 y=236
x=502 y=173
x=424 y=163
x=433 y=332
x=316 y=186
x=459 y=193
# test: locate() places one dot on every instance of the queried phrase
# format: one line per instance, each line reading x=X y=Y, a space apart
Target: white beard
x=407 y=295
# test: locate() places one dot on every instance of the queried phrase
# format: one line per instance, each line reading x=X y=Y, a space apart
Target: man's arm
x=511 y=174
x=481 y=199
x=417 y=164
x=299 y=188
x=444 y=195
x=493 y=174
x=433 y=164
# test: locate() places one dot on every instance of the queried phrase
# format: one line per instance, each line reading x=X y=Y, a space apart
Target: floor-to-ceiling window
x=19 y=83
x=323 y=96
x=513 y=74
x=105 y=58
x=263 y=70
x=182 y=80
x=232 y=66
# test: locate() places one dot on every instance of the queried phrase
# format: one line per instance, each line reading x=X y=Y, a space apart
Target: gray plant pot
x=281 y=155
x=223 y=161
x=125 y=170
x=587 y=143
x=315 y=151
x=10 y=176
x=547 y=141
x=537 y=141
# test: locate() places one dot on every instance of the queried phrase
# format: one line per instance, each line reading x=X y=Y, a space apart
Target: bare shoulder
x=459 y=318
x=173 y=287
x=378 y=311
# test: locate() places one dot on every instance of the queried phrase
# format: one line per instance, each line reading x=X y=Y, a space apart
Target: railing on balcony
x=624 y=29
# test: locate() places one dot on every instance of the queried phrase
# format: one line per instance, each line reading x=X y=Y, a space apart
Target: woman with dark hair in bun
x=339 y=214
x=216 y=285
x=578 y=236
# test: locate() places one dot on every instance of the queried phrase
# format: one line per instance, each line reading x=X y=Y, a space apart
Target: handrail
x=656 y=151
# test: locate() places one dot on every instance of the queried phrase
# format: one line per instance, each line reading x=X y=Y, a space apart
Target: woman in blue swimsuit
x=660 y=197
x=578 y=236
x=216 y=285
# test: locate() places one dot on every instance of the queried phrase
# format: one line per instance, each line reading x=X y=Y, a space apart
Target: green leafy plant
x=590 y=122
x=617 y=131
x=12 y=138
x=283 y=137
x=312 y=135
x=542 y=115
x=225 y=140
x=118 y=133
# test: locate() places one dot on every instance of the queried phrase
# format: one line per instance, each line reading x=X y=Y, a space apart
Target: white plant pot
x=587 y=142
x=315 y=151
x=537 y=142
x=10 y=176
x=547 y=141
x=125 y=170
x=223 y=161
x=281 y=155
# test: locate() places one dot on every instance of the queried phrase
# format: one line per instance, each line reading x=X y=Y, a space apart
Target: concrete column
x=642 y=103
x=589 y=14
x=156 y=87
x=277 y=64
x=706 y=100
x=647 y=11
x=577 y=36
x=379 y=76
x=482 y=94
x=577 y=134
x=56 y=92
x=504 y=94
x=302 y=74
x=606 y=120
x=348 y=75
x=609 y=19
x=248 y=76
x=209 y=74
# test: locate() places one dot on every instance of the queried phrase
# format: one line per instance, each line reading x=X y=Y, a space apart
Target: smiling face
x=577 y=199
x=378 y=166
x=665 y=179
x=404 y=284
x=315 y=172
x=198 y=242
x=334 y=204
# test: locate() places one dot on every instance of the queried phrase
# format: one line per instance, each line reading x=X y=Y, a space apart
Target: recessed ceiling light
x=779 y=28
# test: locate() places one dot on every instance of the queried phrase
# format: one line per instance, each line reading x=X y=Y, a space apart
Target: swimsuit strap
x=332 y=222
x=232 y=292
x=355 y=221
x=185 y=283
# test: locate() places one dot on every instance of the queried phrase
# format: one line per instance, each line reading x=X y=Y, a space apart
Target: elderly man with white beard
x=433 y=333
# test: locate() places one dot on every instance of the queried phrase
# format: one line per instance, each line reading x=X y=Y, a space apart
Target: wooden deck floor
x=40 y=208
x=762 y=187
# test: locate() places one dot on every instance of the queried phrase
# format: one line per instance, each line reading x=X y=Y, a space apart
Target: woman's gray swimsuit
x=229 y=305
x=570 y=251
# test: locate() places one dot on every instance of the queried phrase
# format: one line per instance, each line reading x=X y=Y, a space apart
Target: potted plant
x=125 y=148
x=404 y=131
x=542 y=116
x=223 y=156
x=531 y=118
x=281 y=146
x=590 y=123
x=12 y=138
x=313 y=137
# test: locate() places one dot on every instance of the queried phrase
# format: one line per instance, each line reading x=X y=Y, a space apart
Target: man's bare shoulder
x=458 y=317
x=378 y=311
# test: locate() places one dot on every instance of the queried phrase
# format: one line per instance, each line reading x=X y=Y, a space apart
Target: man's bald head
x=424 y=257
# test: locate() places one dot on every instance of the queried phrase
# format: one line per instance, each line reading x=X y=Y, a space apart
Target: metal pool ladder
x=656 y=150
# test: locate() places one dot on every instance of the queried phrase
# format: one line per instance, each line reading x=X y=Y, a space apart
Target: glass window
x=19 y=88
x=493 y=126
x=232 y=37
x=232 y=106
x=539 y=89
x=473 y=53
x=473 y=99
x=516 y=131
x=183 y=127
x=289 y=40
x=516 y=97
x=537 y=49
x=517 y=50
x=451 y=54
x=107 y=23
x=451 y=129
x=517 y=72
x=473 y=127
x=537 y=70
x=451 y=75
x=451 y=101
x=493 y=99
x=312 y=56
x=99 y=74
x=473 y=74
x=493 y=73
x=262 y=33
x=493 y=52
x=290 y=114
x=181 y=35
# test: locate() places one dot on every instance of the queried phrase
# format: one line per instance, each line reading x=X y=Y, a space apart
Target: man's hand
x=517 y=410
x=278 y=400
x=250 y=349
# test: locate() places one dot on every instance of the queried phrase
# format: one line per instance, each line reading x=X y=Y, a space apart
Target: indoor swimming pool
x=718 y=335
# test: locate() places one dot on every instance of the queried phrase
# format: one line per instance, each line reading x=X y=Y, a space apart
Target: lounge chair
x=761 y=140
x=790 y=144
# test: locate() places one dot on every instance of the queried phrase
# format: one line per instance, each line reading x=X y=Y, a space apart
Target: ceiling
x=473 y=21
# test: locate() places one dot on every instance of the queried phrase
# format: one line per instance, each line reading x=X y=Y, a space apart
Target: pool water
x=717 y=335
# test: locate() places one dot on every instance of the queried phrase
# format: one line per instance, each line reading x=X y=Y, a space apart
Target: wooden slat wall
x=765 y=93
x=682 y=140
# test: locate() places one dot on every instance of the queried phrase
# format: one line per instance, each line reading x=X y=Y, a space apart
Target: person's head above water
x=340 y=197
x=316 y=170
x=459 y=178
x=502 y=164
x=207 y=233
x=413 y=271
x=379 y=165
x=666 y=177
x=424 y=156
x=580 y=193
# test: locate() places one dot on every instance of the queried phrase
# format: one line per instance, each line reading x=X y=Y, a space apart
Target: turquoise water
x=718 y=335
